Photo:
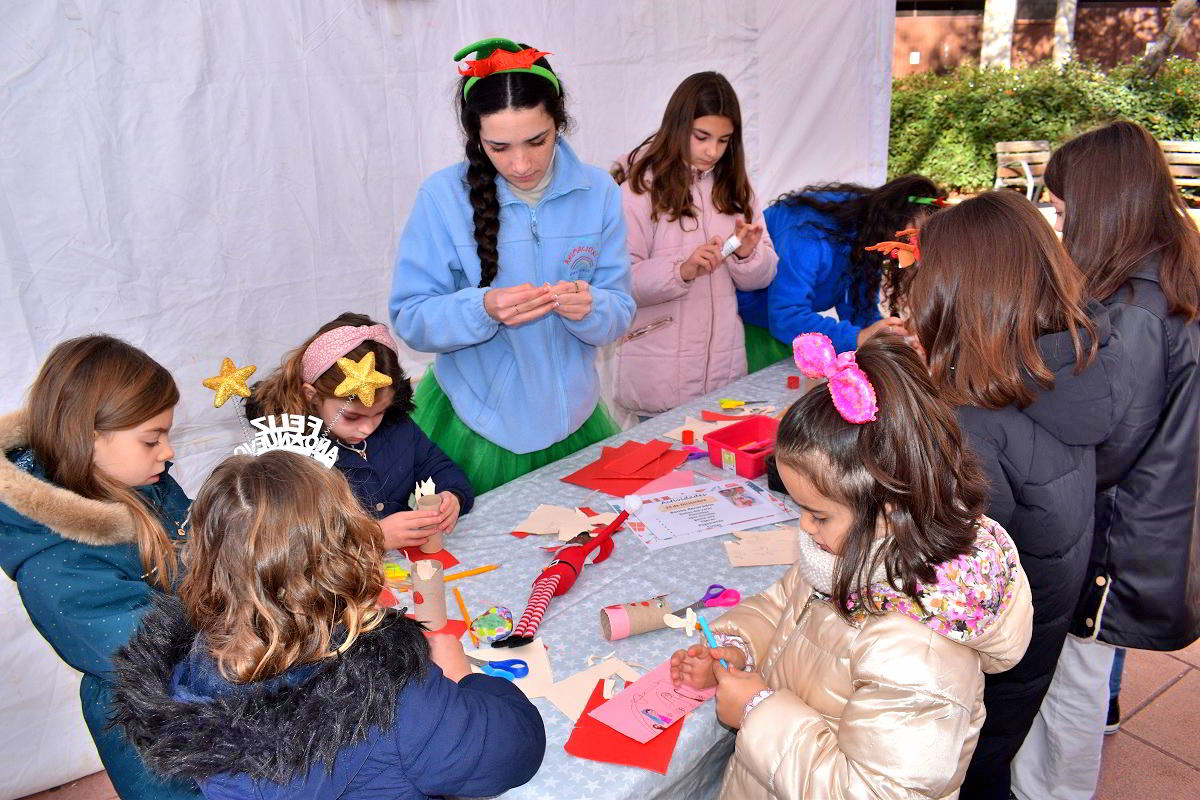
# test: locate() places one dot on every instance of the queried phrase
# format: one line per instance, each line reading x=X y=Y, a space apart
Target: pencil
x=462 y=606
x=468 y=573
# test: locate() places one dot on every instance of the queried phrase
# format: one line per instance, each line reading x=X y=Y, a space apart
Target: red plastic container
x=723 y=445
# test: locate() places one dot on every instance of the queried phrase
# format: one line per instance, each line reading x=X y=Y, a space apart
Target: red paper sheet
x=713 y=416
x=600 y=476
x=593 y=740
x=454 y=627
x=447 y=558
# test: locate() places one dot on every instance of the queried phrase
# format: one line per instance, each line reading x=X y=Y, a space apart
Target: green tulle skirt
x=487 y=464
x=763 y=349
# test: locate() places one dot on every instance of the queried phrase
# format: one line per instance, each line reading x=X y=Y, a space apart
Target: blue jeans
x=1114 y=677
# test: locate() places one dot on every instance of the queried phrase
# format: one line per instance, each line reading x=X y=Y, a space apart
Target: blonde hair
x=98 y=384
x=281 y=560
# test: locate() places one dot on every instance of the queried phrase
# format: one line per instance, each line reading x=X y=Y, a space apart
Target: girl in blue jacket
x=381 y=451
x=274 y=675
x=513 y=268
x=89 y=521
x=820 y=233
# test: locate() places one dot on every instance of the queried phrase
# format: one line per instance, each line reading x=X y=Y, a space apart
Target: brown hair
x=283 y=566
x=282 y=392
x=98 y=384
x=663 y=168
x=1123 y=207
x=910 y=465
x=992 y=278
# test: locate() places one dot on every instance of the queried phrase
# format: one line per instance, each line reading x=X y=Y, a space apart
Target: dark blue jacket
x=1041 y=462
x=1143 y=588
x=813 y=276
x=80 y=578
x=378 y=721
x=399 y=455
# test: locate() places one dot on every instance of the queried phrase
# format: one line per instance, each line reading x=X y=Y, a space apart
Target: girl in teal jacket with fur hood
x=89 y=520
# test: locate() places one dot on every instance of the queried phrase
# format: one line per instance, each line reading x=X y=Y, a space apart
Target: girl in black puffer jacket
x=1034 y=368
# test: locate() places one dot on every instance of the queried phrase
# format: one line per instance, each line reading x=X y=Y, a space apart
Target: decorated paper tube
x=430 y=502
x=630 y=619
x=429 y=594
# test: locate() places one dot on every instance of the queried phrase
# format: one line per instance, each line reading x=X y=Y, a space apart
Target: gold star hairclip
x=361 y=379
x=231 y=381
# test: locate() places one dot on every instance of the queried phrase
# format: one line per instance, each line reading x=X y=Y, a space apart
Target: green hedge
x=945 y=126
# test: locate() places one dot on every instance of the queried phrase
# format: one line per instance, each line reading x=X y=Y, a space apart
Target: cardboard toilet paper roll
x=630 y=619
x=429 y=594
x=430 y=503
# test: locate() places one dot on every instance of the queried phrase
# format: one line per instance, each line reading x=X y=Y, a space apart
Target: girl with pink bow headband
x=381 y=451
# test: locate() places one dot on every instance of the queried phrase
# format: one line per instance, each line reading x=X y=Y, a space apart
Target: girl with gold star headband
x=348 y=374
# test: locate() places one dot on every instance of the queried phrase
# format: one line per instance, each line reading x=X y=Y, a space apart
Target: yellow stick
x=468 y=573
x=462 y=606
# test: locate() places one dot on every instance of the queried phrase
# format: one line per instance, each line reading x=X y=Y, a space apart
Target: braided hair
x=863 y=218
x=497 y=92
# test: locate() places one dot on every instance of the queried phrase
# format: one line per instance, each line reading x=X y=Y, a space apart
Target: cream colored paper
x=762 y=548
x=570 y=695
x=566 y=523
x=540 y=678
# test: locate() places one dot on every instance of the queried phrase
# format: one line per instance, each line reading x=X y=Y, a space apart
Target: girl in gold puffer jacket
x=860 y=673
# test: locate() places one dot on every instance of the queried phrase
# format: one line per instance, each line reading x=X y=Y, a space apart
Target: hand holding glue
x=731 y=244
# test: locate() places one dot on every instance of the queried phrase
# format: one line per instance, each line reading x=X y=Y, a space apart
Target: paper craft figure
x=560 y=574
x=650 y=705
x=429 y=594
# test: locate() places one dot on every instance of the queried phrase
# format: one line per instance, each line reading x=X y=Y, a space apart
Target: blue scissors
x=716 y=595
x=510 y=669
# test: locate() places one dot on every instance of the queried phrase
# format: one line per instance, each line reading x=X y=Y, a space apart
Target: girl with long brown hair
x=512 y=268
x=859 y=673
x=273 y=674
x=685 y=192
x=381 y=451
x=1013 y=341
x=1126 y=226
x=90 y=520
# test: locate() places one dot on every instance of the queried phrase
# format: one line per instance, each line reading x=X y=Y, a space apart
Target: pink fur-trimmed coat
x=686 y=338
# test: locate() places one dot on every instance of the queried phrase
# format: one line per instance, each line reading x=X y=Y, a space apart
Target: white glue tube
x=731 y=244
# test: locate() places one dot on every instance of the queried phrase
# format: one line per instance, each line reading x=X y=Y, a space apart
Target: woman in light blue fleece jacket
x=513 y=269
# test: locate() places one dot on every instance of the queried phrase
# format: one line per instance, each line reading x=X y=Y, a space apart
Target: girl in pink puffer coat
x=685 y=192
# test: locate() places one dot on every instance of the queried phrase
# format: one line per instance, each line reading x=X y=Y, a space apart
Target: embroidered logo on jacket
x=581 y=262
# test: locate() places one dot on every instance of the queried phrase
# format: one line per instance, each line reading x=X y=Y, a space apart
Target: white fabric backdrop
x=219 y=178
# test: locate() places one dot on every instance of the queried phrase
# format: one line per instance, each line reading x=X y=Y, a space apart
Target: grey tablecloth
x=571 y=627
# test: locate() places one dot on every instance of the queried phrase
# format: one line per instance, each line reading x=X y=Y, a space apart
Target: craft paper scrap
x=444 y=556
x=650 y=705
x=567 y=523
x=699 y=428
x=594 y=740
x=692 y=513
x=762 y=548
x=570 y=695
x=672 y=480
x=599 y=477
x=540 y=678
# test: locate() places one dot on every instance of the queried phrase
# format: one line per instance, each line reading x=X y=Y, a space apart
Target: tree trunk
x=998 y=19
x=1064 y=31
x=1181 y=11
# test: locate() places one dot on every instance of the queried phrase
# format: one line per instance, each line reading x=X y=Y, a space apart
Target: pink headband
x=851 y=389
x=327 y=348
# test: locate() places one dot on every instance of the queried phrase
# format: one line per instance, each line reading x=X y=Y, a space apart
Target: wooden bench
x=1022 y=164
x=1183 y=159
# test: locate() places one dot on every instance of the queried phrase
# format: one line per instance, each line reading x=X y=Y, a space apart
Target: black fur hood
x=273 y=730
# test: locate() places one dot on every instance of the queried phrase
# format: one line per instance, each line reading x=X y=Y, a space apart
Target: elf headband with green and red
x=501 y=55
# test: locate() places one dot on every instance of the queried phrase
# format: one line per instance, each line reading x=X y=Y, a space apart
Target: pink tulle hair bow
x=851 y=389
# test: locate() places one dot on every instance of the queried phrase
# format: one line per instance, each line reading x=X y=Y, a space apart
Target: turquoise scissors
x=510 y=669
x=716 y=595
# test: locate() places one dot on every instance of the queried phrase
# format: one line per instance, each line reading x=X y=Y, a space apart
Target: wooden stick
x=468 y=573
x=462 y=606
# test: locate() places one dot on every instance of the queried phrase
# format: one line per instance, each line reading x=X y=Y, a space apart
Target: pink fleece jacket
x=686 y=337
